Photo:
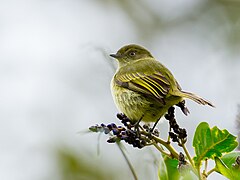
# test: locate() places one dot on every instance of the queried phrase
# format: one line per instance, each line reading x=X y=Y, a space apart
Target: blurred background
x=55 y=76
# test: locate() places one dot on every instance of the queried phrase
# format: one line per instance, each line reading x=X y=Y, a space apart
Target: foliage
x=72 y=166
x=209 y=144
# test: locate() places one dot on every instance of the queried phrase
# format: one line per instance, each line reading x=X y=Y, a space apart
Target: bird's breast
x=136 y=106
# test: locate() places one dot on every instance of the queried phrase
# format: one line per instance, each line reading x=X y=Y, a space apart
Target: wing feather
x=155 y=84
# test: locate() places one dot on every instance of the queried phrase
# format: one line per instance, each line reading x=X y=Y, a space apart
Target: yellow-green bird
x=143 y=88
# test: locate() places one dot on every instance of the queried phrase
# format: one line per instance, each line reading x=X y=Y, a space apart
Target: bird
x=144 y=89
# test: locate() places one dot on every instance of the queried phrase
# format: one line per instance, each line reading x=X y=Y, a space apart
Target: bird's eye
x=132 y=53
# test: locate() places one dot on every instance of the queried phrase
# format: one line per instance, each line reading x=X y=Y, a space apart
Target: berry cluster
x=178 y=134
x=125 y=120
x=183 y=165
x=183 y=107
x=139 y=136
x=119 y=133
x=148 y=129
x=236 y=165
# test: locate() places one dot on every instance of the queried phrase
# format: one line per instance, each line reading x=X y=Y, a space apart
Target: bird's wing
x=153 y=84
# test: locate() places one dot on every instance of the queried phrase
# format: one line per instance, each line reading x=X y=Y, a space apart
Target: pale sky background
x=55 y=74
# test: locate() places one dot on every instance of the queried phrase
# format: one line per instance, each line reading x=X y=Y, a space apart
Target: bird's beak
x=116 y=56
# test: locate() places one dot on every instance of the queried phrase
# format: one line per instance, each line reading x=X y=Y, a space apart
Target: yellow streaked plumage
x=144 y=88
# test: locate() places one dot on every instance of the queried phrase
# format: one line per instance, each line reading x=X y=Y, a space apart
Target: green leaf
x=227 y=170
x=230 y=158
x=168 y=169
x=225 y=165
x=209 y=143
x=162 y=170
x=171 y=165
x=222 y=168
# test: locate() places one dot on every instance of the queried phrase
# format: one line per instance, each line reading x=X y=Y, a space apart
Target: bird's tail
x=195 y=98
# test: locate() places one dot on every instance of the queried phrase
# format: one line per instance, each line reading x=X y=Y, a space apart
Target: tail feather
x=195 y=98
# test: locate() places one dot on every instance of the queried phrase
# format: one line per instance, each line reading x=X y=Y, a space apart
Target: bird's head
x=130 y=53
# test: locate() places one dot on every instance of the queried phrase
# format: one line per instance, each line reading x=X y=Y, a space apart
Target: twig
x=161 y=149
x=128 y=162
x=205 y=167
x=188 y=155
x=173 y=152
x=199 y=173
x=210 y=171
